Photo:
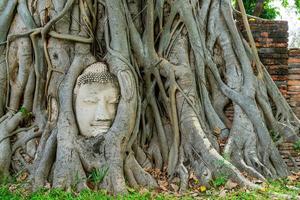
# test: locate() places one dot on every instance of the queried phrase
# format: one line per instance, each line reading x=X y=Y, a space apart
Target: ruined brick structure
x=294 y=80
x=283 y=64
x=290 y=155
x=288 y=152
x=271 y=38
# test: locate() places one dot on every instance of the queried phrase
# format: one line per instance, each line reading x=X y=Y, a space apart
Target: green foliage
x=5 y=194
x=297 y=6
x=275 y=135
x=25 y=112
x=285 y=3
x=220 y=181
x=244 y=195
x=296 y=145
x=98 y=175
x=269 y=11
x=282 y=186
x=54 y=194
x=6 y=179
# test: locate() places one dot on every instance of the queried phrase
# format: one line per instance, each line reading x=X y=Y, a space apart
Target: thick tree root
x=178 y=66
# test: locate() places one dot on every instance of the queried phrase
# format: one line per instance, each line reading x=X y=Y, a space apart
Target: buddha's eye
x=90 y=100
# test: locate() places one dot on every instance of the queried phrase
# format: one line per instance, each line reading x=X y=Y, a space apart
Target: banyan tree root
x=179 y=63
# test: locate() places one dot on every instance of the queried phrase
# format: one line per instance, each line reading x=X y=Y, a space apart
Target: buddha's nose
x=102 y=113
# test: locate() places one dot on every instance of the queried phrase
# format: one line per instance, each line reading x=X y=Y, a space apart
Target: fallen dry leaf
x=176 y=180
x=143 y=190
x=174 y=187
x=12 y=188
x=194 y=194
x=223 y=193
x=293 y=177
x=162 y=183
x=230 y=185
x=217 y=130
x=263 y=189
x=163 y=188
x=23 y=176
x=193 y=176
x=48 y=185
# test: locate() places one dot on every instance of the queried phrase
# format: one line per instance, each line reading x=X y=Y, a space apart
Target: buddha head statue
x=96 y=100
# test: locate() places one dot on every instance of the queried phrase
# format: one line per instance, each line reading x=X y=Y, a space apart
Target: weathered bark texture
x=179 y=63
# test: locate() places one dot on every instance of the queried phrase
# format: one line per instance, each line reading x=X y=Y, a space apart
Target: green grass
x=98 y=175
x=18 y=192
x=57 y=194
x=219 y=181
x=296 y=146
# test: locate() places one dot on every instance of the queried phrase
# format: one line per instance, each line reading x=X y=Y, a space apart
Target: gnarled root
x=136 y=175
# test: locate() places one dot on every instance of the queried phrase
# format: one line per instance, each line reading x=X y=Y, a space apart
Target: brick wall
x=294 y=80
x=290 y=155
x=283 y=64
x=271 y=38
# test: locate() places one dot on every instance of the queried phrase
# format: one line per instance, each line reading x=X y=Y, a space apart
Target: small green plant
x=25 y=112
x=77 y=179
x=219 y=181
x=196 y=181
x=98 y=175
x=275 y=135
x=296 y=146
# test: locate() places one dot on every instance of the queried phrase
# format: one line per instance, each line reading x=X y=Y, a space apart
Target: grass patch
x=17 y=191
x=219 y=181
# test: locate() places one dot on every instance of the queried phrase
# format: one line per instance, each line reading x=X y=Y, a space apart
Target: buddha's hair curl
x=96 y=73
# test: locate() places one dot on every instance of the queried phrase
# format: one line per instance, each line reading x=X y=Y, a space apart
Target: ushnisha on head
x=96 y=100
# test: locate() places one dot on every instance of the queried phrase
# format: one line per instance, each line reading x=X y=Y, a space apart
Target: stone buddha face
x=97 y=96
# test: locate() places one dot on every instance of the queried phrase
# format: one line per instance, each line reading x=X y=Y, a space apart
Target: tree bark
x=178 y=65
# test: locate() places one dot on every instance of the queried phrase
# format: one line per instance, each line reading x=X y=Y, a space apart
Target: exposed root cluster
x=179 y=63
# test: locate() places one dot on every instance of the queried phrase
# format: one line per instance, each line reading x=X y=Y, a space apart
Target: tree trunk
x=258 y=8
x=178 y=65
